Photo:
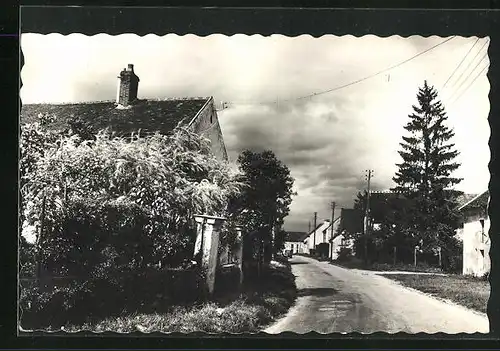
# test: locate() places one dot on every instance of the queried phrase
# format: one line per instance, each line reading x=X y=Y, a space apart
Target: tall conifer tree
x=425 y=173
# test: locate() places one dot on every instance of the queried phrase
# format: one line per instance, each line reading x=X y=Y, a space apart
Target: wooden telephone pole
x=332 y=233
x=366 y=224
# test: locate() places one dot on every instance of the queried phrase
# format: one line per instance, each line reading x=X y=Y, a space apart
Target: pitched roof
x=479 y=201
x=351 y=220
x=295 y=236
x=148 y=115
x=463 y=199
x=382 y=202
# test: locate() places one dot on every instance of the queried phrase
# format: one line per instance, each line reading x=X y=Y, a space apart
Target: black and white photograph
x=250 y=183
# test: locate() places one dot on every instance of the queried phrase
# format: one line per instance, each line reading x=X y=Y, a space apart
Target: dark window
x=211 y=118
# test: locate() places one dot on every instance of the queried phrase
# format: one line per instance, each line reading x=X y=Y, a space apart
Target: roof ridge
x=186 y=98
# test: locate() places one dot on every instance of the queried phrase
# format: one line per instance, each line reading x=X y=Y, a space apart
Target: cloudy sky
x=328 y=140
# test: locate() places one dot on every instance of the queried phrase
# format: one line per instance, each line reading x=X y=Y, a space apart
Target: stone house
x=294 y=241
x=128 y=113
x=473 y=233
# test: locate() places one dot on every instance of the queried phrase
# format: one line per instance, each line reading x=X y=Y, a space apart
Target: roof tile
x=147 y=115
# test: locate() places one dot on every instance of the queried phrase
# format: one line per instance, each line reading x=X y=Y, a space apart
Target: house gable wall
x=476 y=247
x=206 y=123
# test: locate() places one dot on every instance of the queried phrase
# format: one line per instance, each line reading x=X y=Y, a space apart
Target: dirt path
x=335 y=299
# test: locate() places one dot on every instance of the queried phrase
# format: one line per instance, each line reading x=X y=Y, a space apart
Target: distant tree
x=360 y=201
x=265 y=201
x=425 y=173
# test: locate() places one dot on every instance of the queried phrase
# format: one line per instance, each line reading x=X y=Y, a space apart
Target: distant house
x=128 y=113
x=294 y=241
x=317 y=238
x=348 y=225
x=351 y=221
x=473 y=232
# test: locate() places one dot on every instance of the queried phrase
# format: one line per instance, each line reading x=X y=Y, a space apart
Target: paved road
x=335 y=299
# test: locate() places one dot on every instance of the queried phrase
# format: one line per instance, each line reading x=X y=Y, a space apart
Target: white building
x=474 y=235
x=338 y=242
x=319 y=240
x=294 y=241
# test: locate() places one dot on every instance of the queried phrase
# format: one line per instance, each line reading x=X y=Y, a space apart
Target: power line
x=470 y=62
x=359 y=80
x=456 y=68
x=470 y=84
x=466 y=78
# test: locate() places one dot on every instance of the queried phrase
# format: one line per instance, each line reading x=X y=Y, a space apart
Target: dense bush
x=344 y=254
x=282 y=259
x=57 y=302
x=27 y=262
x=227 y=279
x=109 y=208
x=452 y=260
x=140 y=192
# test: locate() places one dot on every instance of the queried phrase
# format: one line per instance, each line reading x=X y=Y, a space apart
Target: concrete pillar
x=239 y=252
x=207 y=244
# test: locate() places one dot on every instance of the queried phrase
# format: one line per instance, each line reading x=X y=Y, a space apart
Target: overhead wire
x=466 y=78
x=351 y=83
x=460 y=64
x=470 y=62
x=470 y=84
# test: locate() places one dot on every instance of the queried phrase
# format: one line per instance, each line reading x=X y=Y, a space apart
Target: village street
x=335 y=299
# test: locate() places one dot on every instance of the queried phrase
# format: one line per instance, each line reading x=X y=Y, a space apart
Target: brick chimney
x=128 y=84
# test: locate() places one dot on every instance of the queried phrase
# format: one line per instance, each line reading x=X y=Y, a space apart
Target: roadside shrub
x=109 y=204
x=227 y=279
x=27 y=262
x=98 y=239
x=56 y=302
x=344 y=254
x=41 y=306
x=283 y=260
x=452 y=256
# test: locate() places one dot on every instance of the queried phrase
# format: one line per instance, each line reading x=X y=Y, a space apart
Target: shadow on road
x=294 y=263
x=320 y=292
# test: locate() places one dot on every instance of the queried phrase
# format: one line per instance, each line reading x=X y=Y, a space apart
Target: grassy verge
x=466 y=291
x=258 y=304
x=355 y=263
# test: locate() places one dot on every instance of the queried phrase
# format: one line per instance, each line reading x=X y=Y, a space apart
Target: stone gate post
x=239 y=251
x=207 y=244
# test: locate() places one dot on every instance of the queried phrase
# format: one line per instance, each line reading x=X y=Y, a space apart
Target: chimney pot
x=130 y=67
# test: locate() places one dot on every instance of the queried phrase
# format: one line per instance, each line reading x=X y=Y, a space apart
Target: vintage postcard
x=249 y=183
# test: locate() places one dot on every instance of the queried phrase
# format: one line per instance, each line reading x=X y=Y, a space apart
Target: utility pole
x=331 y=235
x=367 y=212
x=314 y=234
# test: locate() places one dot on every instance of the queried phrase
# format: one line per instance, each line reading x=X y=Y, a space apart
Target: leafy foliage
x=98 y=200
x=266 y=199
